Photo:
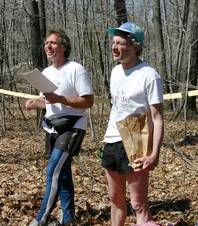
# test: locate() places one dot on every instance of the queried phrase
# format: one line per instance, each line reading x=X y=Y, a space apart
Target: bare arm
x=150 y=162
x=158 y=132
x=85 y=101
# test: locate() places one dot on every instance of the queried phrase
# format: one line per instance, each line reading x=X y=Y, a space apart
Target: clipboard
x=39 y=81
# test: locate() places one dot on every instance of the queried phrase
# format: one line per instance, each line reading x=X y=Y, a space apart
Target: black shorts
x=69 y=141
x=115 y=158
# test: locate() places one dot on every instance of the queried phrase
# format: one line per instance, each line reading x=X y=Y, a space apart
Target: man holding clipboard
x=65 y=122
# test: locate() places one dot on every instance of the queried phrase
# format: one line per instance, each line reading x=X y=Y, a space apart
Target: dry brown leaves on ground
x=173 y=185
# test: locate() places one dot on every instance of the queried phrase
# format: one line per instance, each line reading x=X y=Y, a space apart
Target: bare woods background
x=171 y=42
x=171 y=46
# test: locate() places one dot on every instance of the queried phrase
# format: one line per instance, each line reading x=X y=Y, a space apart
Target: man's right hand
x=30 y=104
x=36 y=103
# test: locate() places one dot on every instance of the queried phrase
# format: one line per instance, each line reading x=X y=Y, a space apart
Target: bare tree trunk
x=180 y=48
x=64 y=2
x=193 y=74
x=2 y=54
x=36 y=43
x=79 y=30
x=160 y=51
x=168 y=55
x=2 y=40
x=42 y=20
x=147 y=29
x=121 y=12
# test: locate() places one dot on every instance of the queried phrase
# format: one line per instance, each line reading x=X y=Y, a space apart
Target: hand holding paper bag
x=136 y=137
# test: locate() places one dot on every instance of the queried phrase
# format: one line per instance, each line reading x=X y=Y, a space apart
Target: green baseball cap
x=132 y=29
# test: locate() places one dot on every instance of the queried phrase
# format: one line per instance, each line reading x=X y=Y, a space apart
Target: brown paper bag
x=136 y=137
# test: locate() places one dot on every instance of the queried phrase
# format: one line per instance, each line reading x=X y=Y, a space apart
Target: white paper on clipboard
x=39 y=81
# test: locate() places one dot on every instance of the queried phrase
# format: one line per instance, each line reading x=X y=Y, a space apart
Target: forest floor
x=173 y=191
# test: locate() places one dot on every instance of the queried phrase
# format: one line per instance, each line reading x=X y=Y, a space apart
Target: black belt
x=62 y=123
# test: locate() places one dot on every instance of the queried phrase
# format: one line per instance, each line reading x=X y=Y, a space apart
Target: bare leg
x=117 y=195
x=138 y=188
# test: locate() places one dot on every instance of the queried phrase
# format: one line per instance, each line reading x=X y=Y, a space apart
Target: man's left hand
x=148 y=163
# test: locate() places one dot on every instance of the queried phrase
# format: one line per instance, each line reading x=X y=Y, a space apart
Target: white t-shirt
x=72 y=80
x=132 y=92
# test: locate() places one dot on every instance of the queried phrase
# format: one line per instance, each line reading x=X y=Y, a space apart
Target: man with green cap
x=136 y=89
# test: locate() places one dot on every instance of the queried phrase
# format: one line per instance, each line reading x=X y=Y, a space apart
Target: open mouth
x=116 y=53
x=50 y=53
